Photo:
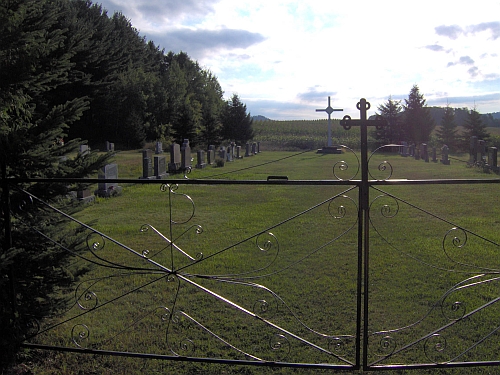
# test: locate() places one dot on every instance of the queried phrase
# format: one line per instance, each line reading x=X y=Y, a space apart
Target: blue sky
x=284 y=58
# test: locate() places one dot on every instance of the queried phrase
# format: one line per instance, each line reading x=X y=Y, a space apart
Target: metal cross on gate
x=363 y=123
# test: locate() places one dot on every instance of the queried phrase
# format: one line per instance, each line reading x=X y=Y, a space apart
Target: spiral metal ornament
x=266 y=244
x=454 y=239
x=163 y=313
x=95 y=242
x=80 y=335
x=341 y=168
x=435 y=348
x=336 y=345
x=385 y=346
x=389 y=206
x=339 y=211
x=87 y=301
x=455 y=310
x=172 y=190
x=265 y=309
x=280 y=346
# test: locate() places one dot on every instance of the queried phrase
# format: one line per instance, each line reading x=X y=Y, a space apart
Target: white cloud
x=285 y=57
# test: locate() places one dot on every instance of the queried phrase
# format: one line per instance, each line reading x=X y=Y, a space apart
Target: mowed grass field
x=275 y=269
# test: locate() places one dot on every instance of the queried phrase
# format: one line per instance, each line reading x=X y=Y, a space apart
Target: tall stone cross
x=329 y=110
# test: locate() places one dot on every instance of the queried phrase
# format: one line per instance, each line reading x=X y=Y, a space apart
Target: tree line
x=413 y=122
x=127 y=90
x=71 y=74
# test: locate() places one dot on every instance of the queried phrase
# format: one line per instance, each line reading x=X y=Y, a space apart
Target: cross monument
x=329 y=110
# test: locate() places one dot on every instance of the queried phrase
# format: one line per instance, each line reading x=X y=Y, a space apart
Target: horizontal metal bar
x=189 y=359
x=256 y=182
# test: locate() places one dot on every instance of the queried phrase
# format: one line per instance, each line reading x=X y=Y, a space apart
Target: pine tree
x=36 y=109
x=418 y=123
x=236 y=122
x=474 y=126
x=391 y=111
x=447 y=132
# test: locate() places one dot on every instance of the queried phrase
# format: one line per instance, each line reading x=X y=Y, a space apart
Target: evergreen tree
x=418 y=123
x=236 y=122
x=36 y=109
x=391 y=111
x=474 y=126
x=447 y=132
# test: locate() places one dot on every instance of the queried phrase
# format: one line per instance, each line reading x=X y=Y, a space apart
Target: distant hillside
x=260 y=118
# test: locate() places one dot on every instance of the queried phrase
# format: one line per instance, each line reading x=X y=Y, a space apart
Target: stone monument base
x=330 y=150
x=116 y=190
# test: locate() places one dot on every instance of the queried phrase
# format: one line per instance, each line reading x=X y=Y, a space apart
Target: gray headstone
x=473 y=149
x=444 y=155
x=247 y=151
x=159 y=148
x=238 y=152
x=186 y=155
x=493 y=157
x=425 y=152
x=175 y=157
x=84 y=150
x=160 y=166
x=229 y=153
x=254 y=148
x=147 y=163
x=107 y=189
x=200 y=159
x=211 y=155
x=434 y=155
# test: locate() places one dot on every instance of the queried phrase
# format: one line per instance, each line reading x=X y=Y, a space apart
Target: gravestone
x=110 y=147
x=211 y=155
x=160 y=167
x=444 y=155
x=147 y=164
x=108 y=189
x=238 y=152
x=481 y=151
x=254 y=148
x=493 y=158
x=425 y=152
x=186 y=155
x=229 y=153
x=247 y=150
x=200 y=158
x=434 y=156
x=473 y=150
x=417 y=153
x=175 y=157
x=404 y=149
x=412 y=150
x=258 y=147
x=84 y=150
x=222 y=153
x=85 y=196
x=159 y=148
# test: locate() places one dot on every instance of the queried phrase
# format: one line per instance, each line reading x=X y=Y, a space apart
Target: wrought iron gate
x=274 y=291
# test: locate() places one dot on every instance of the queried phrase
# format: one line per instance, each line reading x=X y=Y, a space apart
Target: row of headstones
x=422 y=152
x=85 y=149
x=480 y=154
x=180 y=156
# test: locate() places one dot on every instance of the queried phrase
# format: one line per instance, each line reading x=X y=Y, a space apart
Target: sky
x=285 y=58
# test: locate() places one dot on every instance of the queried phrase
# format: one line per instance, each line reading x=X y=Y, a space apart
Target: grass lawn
x=270 y=271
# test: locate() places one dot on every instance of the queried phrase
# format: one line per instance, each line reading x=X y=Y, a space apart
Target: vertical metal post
x=363 y=106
